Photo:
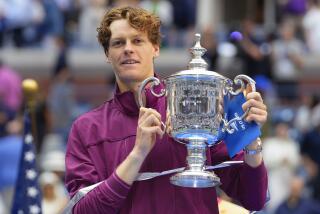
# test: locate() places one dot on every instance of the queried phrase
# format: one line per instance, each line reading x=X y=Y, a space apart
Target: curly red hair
x=137 y=18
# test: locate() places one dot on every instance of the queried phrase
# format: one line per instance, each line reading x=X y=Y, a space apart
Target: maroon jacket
x=102 y=138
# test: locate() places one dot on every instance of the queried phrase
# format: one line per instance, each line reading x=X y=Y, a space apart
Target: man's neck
x=133 y=87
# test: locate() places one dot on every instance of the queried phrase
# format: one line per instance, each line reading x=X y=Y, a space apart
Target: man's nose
x=128 y=48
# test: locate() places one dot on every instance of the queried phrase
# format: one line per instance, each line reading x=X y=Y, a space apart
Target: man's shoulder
x=95 y=114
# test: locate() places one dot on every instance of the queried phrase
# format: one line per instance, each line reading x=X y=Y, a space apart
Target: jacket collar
x=127 y=103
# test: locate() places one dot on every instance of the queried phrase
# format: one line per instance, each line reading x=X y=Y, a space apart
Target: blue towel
x=245 y=132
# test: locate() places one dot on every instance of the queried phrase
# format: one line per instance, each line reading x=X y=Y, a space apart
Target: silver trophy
x=195 y=113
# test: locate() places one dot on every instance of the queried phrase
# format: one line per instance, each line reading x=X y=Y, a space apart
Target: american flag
x=27 y=197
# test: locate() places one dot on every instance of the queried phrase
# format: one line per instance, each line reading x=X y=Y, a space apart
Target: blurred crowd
x=274 y=58
x=37 y=23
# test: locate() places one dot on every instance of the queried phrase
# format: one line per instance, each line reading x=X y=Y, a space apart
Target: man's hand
x=149 y=126
x=258 y=110
x=258 y=113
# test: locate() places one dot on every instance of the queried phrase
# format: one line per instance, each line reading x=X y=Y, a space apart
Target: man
x=117 y=140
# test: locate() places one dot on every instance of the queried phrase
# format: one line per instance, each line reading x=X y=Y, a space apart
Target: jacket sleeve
x=245 y=184
x=107 y=197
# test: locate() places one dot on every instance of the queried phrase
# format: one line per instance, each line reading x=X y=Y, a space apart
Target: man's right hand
x=149 y=126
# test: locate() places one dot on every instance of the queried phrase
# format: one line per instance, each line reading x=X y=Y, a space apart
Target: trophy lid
x=197 y=65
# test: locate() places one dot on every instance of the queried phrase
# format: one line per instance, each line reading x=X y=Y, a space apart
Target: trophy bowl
x=195 y=114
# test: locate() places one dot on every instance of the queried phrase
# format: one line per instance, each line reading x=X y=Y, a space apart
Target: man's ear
x=107 y=58
x=156 y=51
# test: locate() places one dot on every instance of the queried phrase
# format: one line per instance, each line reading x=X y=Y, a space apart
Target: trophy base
x=195 y=179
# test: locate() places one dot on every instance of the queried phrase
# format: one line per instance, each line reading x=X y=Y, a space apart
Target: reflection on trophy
x=195 y=114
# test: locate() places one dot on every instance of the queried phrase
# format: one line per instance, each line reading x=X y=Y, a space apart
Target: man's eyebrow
x=131 y=36
x=116 y=38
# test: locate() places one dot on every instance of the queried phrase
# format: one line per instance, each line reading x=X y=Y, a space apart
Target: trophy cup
x=195 y=115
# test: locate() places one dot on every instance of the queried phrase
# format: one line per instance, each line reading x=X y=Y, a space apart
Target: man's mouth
x=129 y=62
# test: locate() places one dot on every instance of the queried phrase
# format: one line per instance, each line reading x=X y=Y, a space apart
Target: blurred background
x=54 y=42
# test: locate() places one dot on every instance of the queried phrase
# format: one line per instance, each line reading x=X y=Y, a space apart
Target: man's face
x=130 y=54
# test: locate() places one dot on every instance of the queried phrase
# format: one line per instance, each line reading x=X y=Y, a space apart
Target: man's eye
x=116 y=43
x=137 y=41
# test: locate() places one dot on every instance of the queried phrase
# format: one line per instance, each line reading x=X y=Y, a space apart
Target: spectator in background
x=315 y=112
x=2 y=22
x=10 y=87
x=10 y=96
x=310 y=147
x=54 y=198
x=66 y=9
x=2 y=206
x=296 y=202
x=311 y=26
x=121 y=3
x=287 y=52
x=254 y=50
x=61 y=100
x=282 y=159
x=20 y=22
x=209 y=41
x=161 y=8
x=10 y=152
x=304 y=114
x=89 y=21
x=17 y=15
x=164 y=10
x=184 y=20
x=53 y=25
x=294 y=10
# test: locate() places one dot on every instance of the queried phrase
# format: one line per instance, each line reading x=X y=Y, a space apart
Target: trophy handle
x=154 y=82
x=238 y=80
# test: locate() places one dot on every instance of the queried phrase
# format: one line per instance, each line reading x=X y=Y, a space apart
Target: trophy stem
x=196 y=155
x=195 y=175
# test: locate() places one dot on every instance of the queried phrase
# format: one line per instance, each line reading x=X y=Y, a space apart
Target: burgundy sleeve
x=246 y=184
x=108 y=197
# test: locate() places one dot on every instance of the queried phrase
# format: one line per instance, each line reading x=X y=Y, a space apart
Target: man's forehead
x=122 y=28
x=127 y=34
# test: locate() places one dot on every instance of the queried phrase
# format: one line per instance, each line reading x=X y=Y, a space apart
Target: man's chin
x=133 y=77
